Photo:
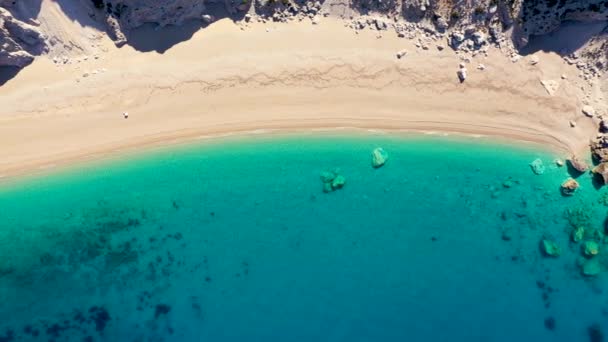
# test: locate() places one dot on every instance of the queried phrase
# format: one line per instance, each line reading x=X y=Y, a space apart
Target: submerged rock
x=601 y=170
x=379 y=157
x=569 y=187
x=578 y=234
x=332 y=180
x=537 y=166
x=550 y=248
x=591 y=267
x=591 y=248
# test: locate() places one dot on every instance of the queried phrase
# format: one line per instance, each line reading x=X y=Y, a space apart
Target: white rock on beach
x=401 y=54
x=550 y=86
x=462 y=74
x=588 y=111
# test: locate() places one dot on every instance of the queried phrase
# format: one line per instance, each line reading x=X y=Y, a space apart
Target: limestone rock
x=569 y=187
x=591 y=248
x=599 y=148
x=462 y=74
x=401 y=53
x=379 y=157
x=578 y=164
x=602 y=170
x=537 y=167
x=550 y=248
x=588 y=111
x=19 y=41
x=332 y=180
x=550 y=86
x=578 y=234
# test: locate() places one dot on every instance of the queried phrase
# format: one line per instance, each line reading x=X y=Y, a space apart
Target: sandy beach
x=278 y=76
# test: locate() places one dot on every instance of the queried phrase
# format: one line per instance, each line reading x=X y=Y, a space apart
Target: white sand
x=295 y=76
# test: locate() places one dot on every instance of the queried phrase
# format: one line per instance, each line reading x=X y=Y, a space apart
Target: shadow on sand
x=149 y=37
x=7 y=73
x=567 y=39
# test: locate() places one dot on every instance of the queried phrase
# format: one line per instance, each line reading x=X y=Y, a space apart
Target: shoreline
x=293 y=77
x=517 y=141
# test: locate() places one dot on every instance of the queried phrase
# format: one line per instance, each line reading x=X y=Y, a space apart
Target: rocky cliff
x=19 y=41
x=468 y=25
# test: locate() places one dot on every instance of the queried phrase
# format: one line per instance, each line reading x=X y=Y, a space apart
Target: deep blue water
x=234 y=240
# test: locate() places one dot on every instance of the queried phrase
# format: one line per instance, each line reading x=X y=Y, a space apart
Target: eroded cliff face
x=467 y=25
x=19 y=41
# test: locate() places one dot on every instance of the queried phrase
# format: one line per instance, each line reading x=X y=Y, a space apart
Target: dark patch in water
x=595 y=333
x=550 y=323
x=100 y=317
x=161 y=310
x=8 y=336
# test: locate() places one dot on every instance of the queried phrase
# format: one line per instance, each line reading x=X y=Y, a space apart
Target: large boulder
x=569 y=187
x=602 y=171
x=578 y=164
x=379 y=157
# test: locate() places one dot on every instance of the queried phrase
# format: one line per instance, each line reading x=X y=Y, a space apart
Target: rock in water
x=591 y=248
x=569 y=187
x=601 y=170
x=338 y=182
x=332 y=180
x=379 y=157
x=591 y=268
x=578 y=164
x=578 y=234
x=537 y=166
x=550 y=248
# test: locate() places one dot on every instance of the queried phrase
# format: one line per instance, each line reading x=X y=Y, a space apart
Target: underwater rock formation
x=569 y=187
x=537 y=166
x=550 y=248
x=332 y=180
x=379 y=157
x=578 y=234
x=591 y=267
x=591 y=248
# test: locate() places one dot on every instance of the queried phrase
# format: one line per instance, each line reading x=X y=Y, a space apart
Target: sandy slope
x=293 y=76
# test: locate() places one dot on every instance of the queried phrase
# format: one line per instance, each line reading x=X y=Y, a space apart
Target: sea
x=239 y=239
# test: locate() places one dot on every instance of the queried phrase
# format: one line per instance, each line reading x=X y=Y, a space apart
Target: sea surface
x=234 y=239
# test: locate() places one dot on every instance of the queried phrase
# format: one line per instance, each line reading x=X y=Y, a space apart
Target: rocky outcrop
x=569 y=187
x=19 y=41
x=601 y=171
x=379 y=157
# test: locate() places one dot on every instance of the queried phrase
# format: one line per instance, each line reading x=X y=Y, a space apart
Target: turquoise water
x=235 y=240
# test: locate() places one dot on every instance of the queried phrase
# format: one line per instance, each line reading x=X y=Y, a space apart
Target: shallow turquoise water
x=235 y=241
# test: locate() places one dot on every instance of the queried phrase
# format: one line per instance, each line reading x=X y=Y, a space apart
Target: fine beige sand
x=277 y=76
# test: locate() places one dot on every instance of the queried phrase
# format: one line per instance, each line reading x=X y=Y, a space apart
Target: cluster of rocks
x=332 y=180
x=19 y=41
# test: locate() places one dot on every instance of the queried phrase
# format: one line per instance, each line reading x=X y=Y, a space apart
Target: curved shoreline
x=148 y=144
x=293 y=79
